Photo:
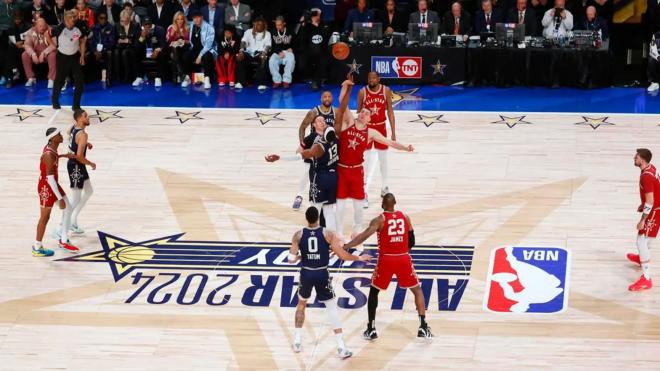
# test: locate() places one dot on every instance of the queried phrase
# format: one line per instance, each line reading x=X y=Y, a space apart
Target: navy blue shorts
x=319 y=280
x=77 y=173
x=323 y=187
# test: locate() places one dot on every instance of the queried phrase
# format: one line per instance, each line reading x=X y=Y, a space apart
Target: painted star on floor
x=512 y=121
x=24 y=114
x=184 y=117
x=430 y=120
x=595 y=123
x=407 y=95
x=265 y=118
x=354 y=67
x=104 y=116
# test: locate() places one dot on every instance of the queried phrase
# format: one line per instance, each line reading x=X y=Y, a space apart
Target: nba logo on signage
x=528 y=280
x=397 y=67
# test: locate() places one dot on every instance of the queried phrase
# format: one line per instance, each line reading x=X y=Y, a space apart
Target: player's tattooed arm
x=293 y=250
x=338 y=249
x=309 y=118
x=378 y=137
x=374 y=226
x=390 y=111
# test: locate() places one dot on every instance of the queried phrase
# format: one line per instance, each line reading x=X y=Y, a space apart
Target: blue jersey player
x=311 y=246
x=322 y=174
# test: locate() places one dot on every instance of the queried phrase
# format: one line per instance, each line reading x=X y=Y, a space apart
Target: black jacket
x=599 y=23
x=480 y=21
x=399 y=21
x=532 y=26
x=464 y=24
x=155 y=39
x=311 y=36
x=166 y=14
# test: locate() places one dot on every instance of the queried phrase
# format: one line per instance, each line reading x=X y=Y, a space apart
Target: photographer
x=313 y=37
x=557 y=21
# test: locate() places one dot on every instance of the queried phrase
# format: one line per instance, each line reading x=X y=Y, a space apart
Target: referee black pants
x=68 y=65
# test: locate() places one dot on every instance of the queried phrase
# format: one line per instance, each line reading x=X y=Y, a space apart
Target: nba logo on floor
x=528 y=280
x=397 y=67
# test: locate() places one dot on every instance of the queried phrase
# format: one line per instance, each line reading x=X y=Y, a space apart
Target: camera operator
x=557 y=21
x=313 y=38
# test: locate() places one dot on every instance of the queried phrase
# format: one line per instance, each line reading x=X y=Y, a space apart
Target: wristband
x=292 y=257
x=647 y=209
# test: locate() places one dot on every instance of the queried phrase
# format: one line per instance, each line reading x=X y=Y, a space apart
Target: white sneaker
x=186 y=82
x=344 y=353
x=653 y=87
x=138 y=81
x=66 y=82
x=76 y=229
x=262 y=87
x=31 y=82
x=297 y=347
x=365 y=203
x=50 y=84
x=238 y=85
x=158 y=82
x=221 y=83
x=207 y=83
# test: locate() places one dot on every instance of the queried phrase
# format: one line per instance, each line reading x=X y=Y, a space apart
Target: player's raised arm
x=336 y=246
x=308 y=120
x=390 y=111
x=378 y=137
x=344 y=97
x=294 y=249
x=374 y=226
x=315 y=152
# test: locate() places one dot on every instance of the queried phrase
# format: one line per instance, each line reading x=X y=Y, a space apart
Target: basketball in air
x=341 y=51
x=130 y=254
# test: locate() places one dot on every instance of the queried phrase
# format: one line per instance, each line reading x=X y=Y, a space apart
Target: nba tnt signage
x=257 y=274
x=397 y=67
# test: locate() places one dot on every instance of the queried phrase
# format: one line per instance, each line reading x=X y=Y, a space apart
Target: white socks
x=66 y=221
x=341 y=209
x=358 y=214
x=330 y=217
x=297 y=336
x=643 y=246
x=304 y=179
x=80 y=199
x=370 y=168
x=340 y=341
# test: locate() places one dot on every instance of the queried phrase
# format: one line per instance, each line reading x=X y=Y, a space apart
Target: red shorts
x=381 y=128
x=390 y=265
x=46 y=196
x=350 y=182
x=652 y=225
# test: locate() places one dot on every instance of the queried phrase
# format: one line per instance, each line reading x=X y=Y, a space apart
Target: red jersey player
x=395 y=239
x=50 y=192
x=354 y=137
x=378 y=98
x=648 y=225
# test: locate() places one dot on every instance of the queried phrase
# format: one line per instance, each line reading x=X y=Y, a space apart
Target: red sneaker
x=68 y=247
x=276 y=85
x=641 y=284
x=286 y=85
x=633 y=258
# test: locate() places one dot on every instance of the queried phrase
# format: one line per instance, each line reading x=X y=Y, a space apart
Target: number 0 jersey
x=314 y=249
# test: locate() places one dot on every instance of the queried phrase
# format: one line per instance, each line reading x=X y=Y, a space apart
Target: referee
x=70 y=39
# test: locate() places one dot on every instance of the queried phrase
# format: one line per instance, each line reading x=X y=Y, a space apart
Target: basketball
x=340 y=51
x=131 y=254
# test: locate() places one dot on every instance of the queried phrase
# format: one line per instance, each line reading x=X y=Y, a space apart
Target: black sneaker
x=424 y=332
x=370 y=334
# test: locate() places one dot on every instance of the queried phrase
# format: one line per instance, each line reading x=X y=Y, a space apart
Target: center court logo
x=528 y=280
x=258 y=273
x=397 y=67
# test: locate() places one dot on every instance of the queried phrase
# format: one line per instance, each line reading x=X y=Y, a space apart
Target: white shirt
x=548 y=23
x=257 y=43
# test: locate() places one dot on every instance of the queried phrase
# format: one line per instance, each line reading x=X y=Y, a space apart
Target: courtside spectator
x=282 y=54
x=228 y=48
x=152 y=46
x=101 y=44
x=178 y=39
x=256 y=44
x=38 y=49
x=123 y=56
x=203 y=48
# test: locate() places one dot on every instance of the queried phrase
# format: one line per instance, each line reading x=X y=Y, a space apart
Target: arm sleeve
x=411 y=239
x=53 y=186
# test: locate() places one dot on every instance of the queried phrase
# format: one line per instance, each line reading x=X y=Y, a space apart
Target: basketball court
x=181 y=265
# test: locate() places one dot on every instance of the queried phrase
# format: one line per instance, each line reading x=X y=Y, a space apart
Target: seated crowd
x=231 y=43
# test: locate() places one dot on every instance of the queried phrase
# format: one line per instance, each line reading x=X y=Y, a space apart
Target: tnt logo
x=397 y=67
x=528 y=280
